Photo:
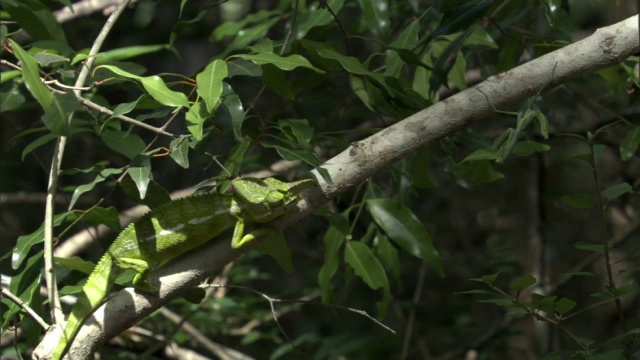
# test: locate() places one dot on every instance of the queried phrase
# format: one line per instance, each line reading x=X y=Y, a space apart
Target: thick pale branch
x=606 y=47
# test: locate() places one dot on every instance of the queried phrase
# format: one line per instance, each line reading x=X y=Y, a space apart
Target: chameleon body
x=176 y=227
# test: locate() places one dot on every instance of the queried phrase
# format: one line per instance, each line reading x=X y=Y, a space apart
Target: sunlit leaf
x=140 y=173
x=282 y=62
x=180 y=151
x=210 y=83
x=154 y=85
x=25 y=242
x=31 y=75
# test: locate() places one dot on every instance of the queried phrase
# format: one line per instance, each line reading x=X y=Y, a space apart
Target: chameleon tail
x=93 y=293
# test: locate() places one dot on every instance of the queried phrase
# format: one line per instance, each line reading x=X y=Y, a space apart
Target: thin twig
x=297 y=301
x=412 y=315
x=56 y=310
x=6 y=293
x=104 y=110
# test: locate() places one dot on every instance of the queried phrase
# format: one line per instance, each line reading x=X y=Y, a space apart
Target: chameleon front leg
x=240 y=239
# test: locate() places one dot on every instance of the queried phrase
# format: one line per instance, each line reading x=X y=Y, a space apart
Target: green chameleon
x=176 y=227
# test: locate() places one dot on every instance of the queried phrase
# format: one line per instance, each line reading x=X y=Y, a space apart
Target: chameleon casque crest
x=176 y=227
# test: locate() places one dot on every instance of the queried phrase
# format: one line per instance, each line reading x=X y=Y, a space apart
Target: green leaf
x=368 y=268
x=140 y=173
x=580 y=201
x=26 y=286
x=56 y=118
x=291 y=153
x=25 y=242
x=388 y=255
x=275 y=79
x=317 y=16
x=407 y=39
x=156 y=195
x=11 y=99
x=287 y=63
x=481 y=154
x=629 y=145
x=125 y=108
x=297 y=130
x=490 y=279
x=154 y=85
x=332 y=240
x=564 y=305
x=543 y=303
x=376 y=16
x=597 y=248
x=480 y=37
x=459 y=18
x=607 y=355
x=419 y=171
x=210 y=83
x=236 y=156
x=240 y=67
x=31 y=75
x=195 y=118
x=476 y=292
x=106 y=216
x=522 y=283
x=46 y=59
x=276 y=246
x=233 y=104
x=404 y=229
x=127 y=144
x=349 y=63
x=180 y=151
x=102 y=176
x=127 y=52
x=76 y=263
x=528 y=147
x=232 y=28
x=263 y=46
x=615 y=191
x=244 y=36
x=458 y=72
x=35 y=18
x=37 y=143
x=478 y=172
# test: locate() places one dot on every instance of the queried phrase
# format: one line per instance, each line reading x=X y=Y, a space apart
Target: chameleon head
x=264 y=200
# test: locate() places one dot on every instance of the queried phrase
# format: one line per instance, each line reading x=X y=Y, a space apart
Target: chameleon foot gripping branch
x=175 y=228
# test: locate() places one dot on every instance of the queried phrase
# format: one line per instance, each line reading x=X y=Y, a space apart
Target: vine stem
x=54 y=173
x=605 y=238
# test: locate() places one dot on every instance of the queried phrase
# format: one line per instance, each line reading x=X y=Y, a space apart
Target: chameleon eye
x=275 y=198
